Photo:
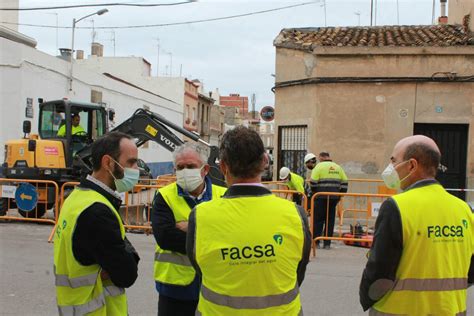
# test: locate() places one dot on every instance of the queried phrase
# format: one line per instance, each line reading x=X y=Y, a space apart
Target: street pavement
x=27 y=286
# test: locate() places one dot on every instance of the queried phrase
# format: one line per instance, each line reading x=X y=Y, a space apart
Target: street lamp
x=74 y=22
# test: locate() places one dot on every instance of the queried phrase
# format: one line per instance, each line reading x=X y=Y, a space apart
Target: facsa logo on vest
x=248 y=252
x=446 y=231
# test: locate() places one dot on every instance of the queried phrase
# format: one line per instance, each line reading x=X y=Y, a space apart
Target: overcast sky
x=234 y=55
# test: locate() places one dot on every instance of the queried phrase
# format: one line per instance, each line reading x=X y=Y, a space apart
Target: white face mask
x=189 y=179
x=391 y=178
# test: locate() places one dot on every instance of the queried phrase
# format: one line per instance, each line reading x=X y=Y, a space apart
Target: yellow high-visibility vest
x=173 y=267
x=248 y=250
x=80 y=289
x=438 y=242
x=328 y=176
x=296 y=183
x=74 y=130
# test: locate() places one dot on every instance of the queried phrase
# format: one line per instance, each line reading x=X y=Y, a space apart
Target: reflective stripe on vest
x=64 y=280
x=173 y=258
x=83 y=309
x=374 y=312
x=250 y=302
x=300 y=313
x=451 y=284
x=93 y=305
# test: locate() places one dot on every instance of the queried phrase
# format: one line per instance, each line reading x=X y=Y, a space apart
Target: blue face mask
x=129 y=180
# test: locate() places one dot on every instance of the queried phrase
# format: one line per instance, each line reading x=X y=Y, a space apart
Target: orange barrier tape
x=44 y=200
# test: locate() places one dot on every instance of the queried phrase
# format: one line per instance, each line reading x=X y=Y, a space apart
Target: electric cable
x=124 y=4
x=169 y=24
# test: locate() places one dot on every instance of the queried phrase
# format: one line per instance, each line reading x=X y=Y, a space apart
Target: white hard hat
x=284 y=173
x=308 y=157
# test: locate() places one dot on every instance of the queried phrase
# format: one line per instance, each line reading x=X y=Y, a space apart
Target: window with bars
x=292 y=147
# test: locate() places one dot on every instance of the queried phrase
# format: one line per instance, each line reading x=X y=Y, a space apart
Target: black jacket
x=387 y=249
x=97 y=240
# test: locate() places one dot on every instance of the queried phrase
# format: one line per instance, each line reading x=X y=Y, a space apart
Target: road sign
x=26 y=197
x=267 y=113
x=7 y=191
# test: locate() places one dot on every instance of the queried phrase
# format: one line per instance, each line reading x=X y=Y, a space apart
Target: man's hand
x=182 y=226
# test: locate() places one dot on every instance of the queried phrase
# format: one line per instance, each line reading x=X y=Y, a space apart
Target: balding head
x=422 y=149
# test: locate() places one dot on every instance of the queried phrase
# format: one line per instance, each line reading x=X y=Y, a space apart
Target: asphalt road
x=27 y=287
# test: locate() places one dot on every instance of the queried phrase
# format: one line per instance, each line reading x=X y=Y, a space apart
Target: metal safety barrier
x=289 y=194
x=135 y=210
x=274 y=185
x=369 y=209
x=28 y=200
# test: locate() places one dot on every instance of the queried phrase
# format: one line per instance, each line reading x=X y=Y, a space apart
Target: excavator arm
x=144 y=126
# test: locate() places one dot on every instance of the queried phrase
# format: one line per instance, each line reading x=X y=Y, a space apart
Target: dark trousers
x=322 y=205
x=168 y=306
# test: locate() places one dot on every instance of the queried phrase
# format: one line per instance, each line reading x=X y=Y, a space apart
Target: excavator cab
x=75 y=124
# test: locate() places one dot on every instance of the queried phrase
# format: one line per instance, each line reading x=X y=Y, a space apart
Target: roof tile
x=417 y=35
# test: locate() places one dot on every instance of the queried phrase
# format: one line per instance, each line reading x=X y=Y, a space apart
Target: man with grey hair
x=176 y=280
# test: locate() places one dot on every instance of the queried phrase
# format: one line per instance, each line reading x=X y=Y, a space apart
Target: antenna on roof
x=398 y=14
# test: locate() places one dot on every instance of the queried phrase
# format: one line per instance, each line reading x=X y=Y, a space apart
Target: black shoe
x=327 y=247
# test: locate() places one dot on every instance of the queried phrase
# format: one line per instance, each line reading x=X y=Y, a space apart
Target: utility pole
x=171 y=63
x=375 y=12
x=325 y=16
x=157 y=56
x=113 y=38
x=371 y=12
x=57 y=29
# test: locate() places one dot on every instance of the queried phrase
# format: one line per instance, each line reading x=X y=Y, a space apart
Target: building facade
x=356 y=91
x=234 y=100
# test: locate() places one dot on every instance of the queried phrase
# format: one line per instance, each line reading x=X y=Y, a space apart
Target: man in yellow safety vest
x=294 y=182
x=75 y=126
x=250 y=247
x=176 y=280
x=93 y=260
x=327 y=176
x=423 y=247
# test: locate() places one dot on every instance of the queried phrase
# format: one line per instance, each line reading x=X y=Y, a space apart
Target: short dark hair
x=109 y=144
x=242 y=151
x=324 y=154
x=428 y=157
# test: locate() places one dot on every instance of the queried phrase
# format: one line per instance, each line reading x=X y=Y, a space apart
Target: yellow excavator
x=61 y=151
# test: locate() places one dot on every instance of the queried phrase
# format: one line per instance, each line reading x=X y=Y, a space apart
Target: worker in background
x=310 y=163
x=76 y=127
x=294 y=182
x=250 y=247
x=324 y=156
x=424 y=240
x=176 y=280
x=327 y=176
x=93 y=260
